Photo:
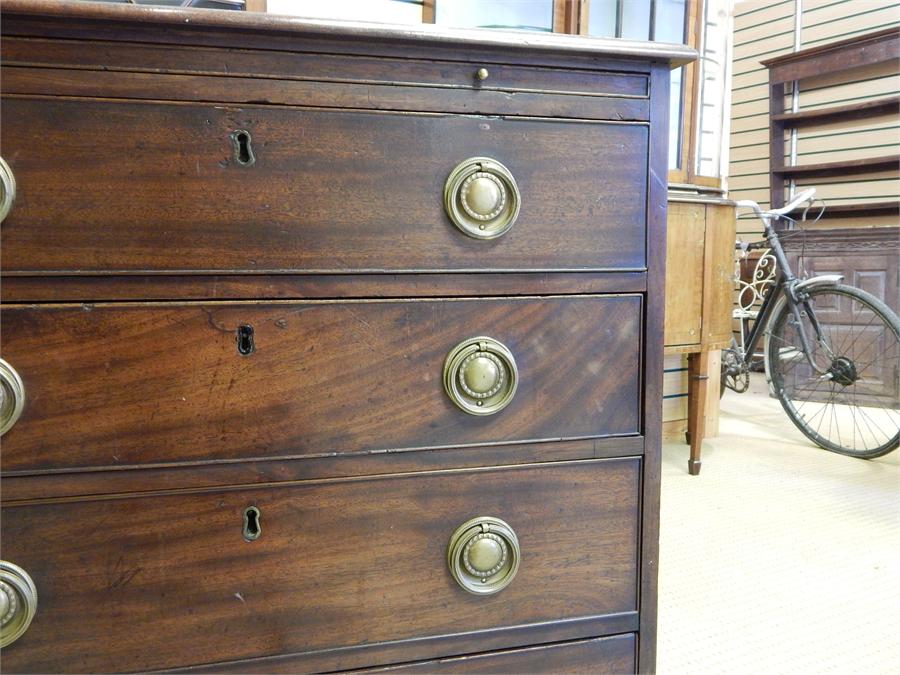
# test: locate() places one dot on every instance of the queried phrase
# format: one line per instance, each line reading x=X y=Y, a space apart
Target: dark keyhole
x=252 y=528
x=243 y=152
x=245 y=339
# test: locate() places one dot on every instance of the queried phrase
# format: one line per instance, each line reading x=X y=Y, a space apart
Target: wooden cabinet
x=326 y=347
x=699 y=289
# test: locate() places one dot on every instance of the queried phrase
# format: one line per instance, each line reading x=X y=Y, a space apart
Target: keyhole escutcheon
x=245 y=339
x=252 y=528
x=243 y=150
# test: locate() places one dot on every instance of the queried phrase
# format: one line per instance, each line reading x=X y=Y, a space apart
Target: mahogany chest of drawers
x=328 y=347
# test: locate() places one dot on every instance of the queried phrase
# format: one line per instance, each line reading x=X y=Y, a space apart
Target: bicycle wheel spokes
x=849 y=403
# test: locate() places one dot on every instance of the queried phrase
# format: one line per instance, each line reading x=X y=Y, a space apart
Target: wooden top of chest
x=89 y=20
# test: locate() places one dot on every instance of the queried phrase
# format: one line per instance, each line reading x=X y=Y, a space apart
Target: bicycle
x=831 y=353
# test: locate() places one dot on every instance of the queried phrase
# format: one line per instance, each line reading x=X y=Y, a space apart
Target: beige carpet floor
x=779 y=557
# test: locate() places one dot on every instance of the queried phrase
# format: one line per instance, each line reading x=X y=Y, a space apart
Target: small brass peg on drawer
x=482 y=74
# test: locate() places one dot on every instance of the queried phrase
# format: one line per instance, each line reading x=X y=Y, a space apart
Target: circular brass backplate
x=7 y=189
x=483 y=555
x=18 y=602
x=480 y=376
x=12 y=396
x=481 y=198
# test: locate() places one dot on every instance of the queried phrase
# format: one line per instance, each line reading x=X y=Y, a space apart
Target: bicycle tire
x=863 y=335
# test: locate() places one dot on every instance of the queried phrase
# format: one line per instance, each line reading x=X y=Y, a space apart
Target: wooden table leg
x=698 y=378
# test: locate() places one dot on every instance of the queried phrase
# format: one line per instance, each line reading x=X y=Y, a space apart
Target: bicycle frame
x=787 y=288
x=762 y=319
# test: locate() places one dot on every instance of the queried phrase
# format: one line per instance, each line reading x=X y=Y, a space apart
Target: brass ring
x=483 y=555
x=481 y=198
x=12 y=396
x=7 y=189
x=480 y=376
x=18 y=600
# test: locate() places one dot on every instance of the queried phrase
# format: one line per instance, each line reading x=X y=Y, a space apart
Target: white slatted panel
x=675 y=387
x=764 y=29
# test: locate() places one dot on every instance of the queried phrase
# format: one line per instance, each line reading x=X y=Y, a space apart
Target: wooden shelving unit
x=834 y=58
x=840 y=113
x=848 y=167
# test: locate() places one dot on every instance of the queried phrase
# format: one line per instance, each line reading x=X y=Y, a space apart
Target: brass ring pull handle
x=12 y=396
x=18 y=602
x=481 y=198
x=480 y=376
x=483 y=555
x=7 y=189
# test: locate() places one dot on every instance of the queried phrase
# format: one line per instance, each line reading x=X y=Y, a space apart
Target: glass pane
x=636 y=19
x=518 y=14
x=602 y=18
x=668 y=25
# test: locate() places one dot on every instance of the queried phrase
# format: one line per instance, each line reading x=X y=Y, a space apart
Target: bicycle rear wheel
x=854 y=407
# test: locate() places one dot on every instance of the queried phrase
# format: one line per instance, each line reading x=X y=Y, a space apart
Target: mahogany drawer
x=119 y=385
x=64 y=67
x=600 y=656
x=145 y=186
x=147 y=582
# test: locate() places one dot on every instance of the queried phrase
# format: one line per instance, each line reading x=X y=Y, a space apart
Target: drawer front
x=282 y=68
x=157 y=582
x=123 y=385
x=152 y=187
x=600 y=656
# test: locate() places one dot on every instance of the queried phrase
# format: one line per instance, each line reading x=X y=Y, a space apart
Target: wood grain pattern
x=98 y=288
x=835 y=56
x=346 y=191
x=73 y=484
x=718 y=276
x=141 y=245
x=685 y=229
x=238 y=91
x=612 y=656
x=403 y=651
x=654 y=322
x=126 y=385
x=169 y=580
x=270 y=65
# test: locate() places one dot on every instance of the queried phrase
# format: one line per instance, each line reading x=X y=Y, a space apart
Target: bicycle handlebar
x=805 y=196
